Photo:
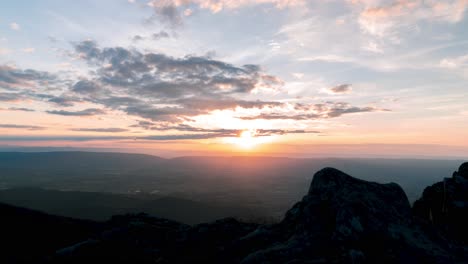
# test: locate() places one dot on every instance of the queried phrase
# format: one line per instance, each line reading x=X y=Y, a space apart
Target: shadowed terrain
x=99 y=185
x=341 y=219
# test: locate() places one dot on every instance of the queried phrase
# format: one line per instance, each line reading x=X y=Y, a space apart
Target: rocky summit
x=445 y=205
x=340 y=220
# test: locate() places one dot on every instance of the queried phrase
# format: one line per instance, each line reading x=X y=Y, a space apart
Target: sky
x=271 y=77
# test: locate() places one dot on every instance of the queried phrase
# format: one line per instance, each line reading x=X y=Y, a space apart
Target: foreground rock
x=347 y=220
x=341 y=220
x=445 y=205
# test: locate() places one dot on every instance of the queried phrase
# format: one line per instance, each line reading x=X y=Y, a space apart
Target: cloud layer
x=166 y=95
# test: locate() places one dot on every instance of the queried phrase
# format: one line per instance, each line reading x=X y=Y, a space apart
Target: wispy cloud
x=15 y=26
x=85 y=112
x=25 y=127
x=341 y=89
x=29 y=50
x=385 y=20
x=103 y=130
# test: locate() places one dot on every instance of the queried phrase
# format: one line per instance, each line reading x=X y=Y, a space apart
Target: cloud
x=85 y=86
x=27 y=127
x=12 y=78
x=29 y=50
x=172 y=12
x=160 y=35
x=315 y=112
x=205 y=133
x=155 y=36
x=15 y=26
x=227 y=133
x=327 y=58
x=137 y=38
x=104 y=130
x=21 y=109
x=386 y=20
x=454 y=63
x=10 y=97
x=86 y=112
x=164 y=88
x=62 y=100
x=341 y=89
x=4 y=51
x=167 y=93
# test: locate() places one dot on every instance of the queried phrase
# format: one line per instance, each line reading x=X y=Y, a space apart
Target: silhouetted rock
x=445 y=205
x=463 y=170
x=347 y=220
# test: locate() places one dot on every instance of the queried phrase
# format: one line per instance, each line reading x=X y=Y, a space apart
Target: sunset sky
x=274 y=77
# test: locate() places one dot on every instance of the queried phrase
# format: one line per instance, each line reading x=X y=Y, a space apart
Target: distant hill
x=268 y=185
x=101 y=206
x=77 y=160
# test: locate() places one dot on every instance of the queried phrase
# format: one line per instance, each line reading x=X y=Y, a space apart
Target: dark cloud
x=167 y=89
x=11 y=78
x=21 y=109
x=85 y=86
x=160 y=35
x=318 y=111
x=86 y=112
x=339 y=109
x=155 y=36
x=27 y=127
x=167 y=13
x=226 y=103
x=341 y=89
x=166 y=92
x=63 y=100
x=137 y=38
x=217 y=132
x=110 y=129
x=9 y=97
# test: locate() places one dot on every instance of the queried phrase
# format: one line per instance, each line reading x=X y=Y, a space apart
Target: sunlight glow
x=247 y=139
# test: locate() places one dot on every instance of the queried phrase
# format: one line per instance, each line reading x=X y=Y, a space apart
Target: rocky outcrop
x=340 y=220
x=346 y=220
x=445 y=205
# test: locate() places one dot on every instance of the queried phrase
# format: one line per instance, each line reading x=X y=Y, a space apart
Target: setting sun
x=247 y=139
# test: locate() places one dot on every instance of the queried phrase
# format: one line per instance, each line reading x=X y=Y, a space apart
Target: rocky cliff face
x=341 y=220
x=445 y=205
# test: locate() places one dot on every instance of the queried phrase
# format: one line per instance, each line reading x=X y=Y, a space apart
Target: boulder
x=445 y=205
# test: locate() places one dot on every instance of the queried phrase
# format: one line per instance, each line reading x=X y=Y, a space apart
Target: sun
x=247 y=139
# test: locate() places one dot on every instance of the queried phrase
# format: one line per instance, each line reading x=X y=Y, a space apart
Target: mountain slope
x=28 y=235
x=101 y=206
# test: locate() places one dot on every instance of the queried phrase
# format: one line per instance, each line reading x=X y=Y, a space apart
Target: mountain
x=101 y=206
x=341 y=219
x=269 y=185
